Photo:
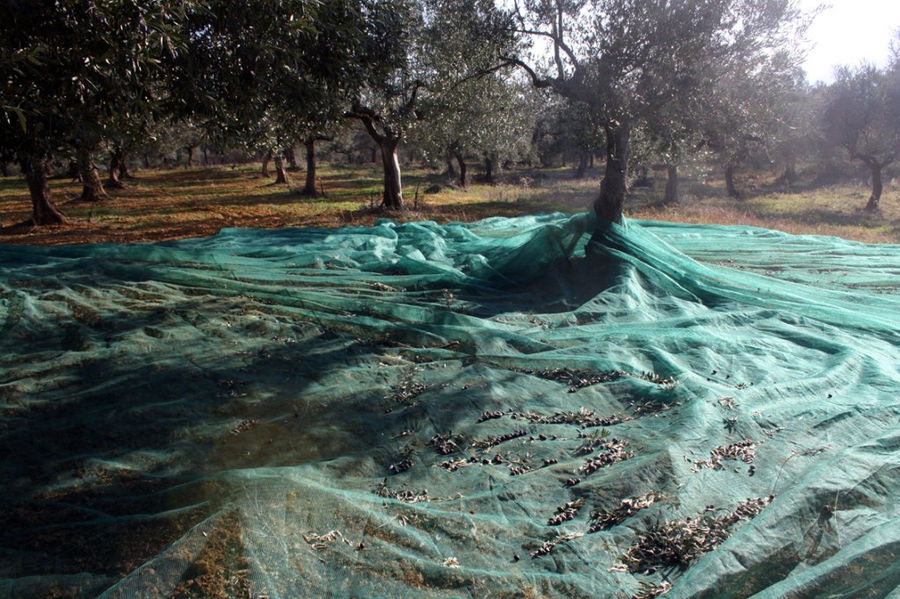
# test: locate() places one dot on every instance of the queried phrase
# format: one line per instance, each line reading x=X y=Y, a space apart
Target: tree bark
x=671 y=196
x=72 y=171
x=309 y=189
x=43 y=212
x=190 y=155
x=92 y=187
x=265 y=163
x=387 y=141
x=292 y=159
x=451 y=169
x=281 y=176
x=393 y=190
x=730 y=187
x=462 y=168
x=116 y=164
x=789 y=175
x=205 y=155
x=608 y=205
x=582 y=165
x=877 y=186
x=489 y=169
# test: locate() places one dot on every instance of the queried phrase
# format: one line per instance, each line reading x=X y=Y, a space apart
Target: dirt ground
x=199 y=202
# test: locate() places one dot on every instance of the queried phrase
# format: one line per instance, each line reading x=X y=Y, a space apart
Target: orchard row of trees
x=657 y=81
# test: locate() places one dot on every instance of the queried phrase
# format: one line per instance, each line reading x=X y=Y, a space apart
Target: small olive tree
x=863 y=117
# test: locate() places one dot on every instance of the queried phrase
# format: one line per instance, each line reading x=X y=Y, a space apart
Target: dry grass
x=162 y=205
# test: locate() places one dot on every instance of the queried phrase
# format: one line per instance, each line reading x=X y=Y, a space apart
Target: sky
x=848 y=32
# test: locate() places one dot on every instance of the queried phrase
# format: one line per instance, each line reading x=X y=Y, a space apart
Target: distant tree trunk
x=451 y=168
x=462 y=168
x=608 y=205
x=488 y=169
x=877 y=186
x=374 y=154
x=310 y=188
x=205 y=155
x=92 y=187
x=582 y=165
x=671 y=196
x=281 y=176
x=790 y=173
x=729 y=183
x=4 y=169
x=116 y=162
x=72 y=171
x=393 y=190
x=265 y=163
x=190 y=154
x=146 y=162
x=43 y=211
x=292 y=159
x=124 y=173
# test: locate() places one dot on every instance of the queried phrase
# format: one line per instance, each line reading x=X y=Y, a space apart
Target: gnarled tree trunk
x=608 y=205
x=267 y=157
x=789 y=175
x=877 y=185
x=92 y=187
x=451 y=169
x=729 y=183
x=388 y=140
x=671 y=196
x=43 y=212
x=190 y=154
x=488 y=169
x=393 y=190
x=281 y=176
x=582 y=165
x=309 y=189
x=463 y=182
x=116 y=166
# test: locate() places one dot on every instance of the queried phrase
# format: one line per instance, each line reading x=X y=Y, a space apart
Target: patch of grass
x=197 y=202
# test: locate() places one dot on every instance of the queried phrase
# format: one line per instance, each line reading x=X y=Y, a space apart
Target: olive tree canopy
x=625 y=59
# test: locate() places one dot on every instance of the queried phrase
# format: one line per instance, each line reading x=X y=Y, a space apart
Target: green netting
x=493 y=409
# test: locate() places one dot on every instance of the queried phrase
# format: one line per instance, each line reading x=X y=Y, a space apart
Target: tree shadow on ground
x=127 y=414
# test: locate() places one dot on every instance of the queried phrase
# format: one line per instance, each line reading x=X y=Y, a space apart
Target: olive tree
x=623 y=59
x=72 y=69
x=862 y=116
x=413 y=60
x=489 y=117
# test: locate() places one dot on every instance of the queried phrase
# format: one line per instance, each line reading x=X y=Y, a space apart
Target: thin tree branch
x=368 y=118
x=557 y=43
x=536 y=80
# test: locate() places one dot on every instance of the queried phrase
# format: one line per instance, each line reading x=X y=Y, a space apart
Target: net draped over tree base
x=492 y=409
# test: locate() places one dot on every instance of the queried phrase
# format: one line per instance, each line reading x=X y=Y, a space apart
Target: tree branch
x=411 y=103
x=536 y=80
x=368 y=118
x=557 y=43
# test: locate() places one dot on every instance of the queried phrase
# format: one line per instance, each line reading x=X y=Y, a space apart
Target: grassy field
x=173 y=204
